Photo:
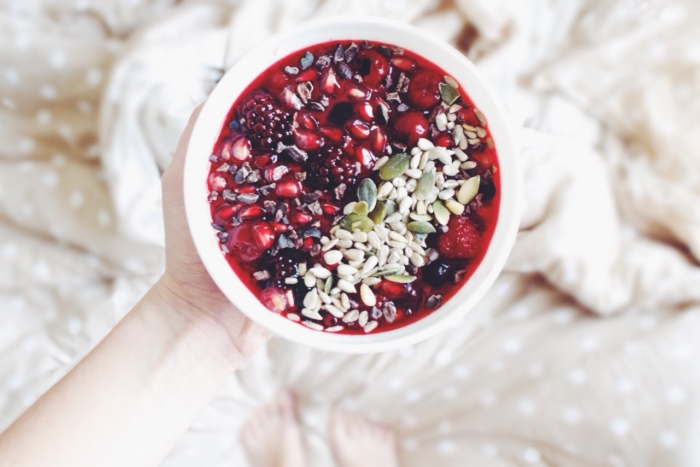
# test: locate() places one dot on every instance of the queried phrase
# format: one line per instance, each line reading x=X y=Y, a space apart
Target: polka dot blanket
x=583 y=353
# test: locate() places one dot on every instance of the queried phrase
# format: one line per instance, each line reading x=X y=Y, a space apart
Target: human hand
x=186 y=287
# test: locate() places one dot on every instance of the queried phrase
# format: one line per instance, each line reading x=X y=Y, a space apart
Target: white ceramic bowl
x=213 y=117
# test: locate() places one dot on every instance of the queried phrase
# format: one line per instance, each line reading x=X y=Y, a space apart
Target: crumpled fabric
x=581 y=354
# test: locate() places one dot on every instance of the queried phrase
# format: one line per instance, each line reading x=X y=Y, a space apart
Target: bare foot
x=358 y=443
x=271 y=436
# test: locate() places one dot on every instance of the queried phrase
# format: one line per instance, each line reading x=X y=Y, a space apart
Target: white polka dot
x=589 y=344
x=632 y=348
x=410 y=444
x=511 y=346
x=519 y=312
x=84 y=106
x=675 y=395
x=619 y=426
x=668 y=439
x=535 y=370
x=76 y=199
x=18 y=303
x=531 y=455
x=487 y=399
x=489 y=450
x=571 y=415
x=570 y=448
x=93 y=77
x=461 y=372
x=28 y=399
x=410 y=421
x=564 y=316
x=28 y=210
x=42 y=270
x=43 y=117
x=413 y=395
x=104 y=218
x=502 y=289
x=526 y=407
x=65 y=132
x=443 y=357
x=50 y=179
x=26 y=145
x=396 y=384
x=446 y=448
x=407 y=351
x=58 y=59
x=22 y=41
x=577 y=377
x=58 y=160
x=496 y=366
x=74 y=326
x=48 y=92
x=11 y=76
x=625 y=386
x=9 y=103
x=9 y=250
x=615 y=461
x=449 y=392
x=27 y=166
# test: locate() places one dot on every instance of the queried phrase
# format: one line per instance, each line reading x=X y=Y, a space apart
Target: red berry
x=378 y=140
x=307 y=140
x=263 y=235
x=332 y=133
x=423 y=90
x=331 y=167
x=288 y=188
x=265 y=122
x=241 y=240
x=358 y=129
x=308 y=75
x=412 y=125
x=250 y=212
x=225 y=212
x=445 y=141
x=461 y=241
x=364 y=111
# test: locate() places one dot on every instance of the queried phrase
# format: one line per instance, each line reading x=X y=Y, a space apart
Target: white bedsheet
x=95 y=93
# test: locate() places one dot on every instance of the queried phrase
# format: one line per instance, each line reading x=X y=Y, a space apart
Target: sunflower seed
x=330 y=245
x=351 y=316
x=343 y=234
x=333 y=256
x=320 y=272
x=468 y=165
x=469 y=190
x=441 y=121
x=346 y=270
x=354 y=255
x=446 y=194
x=364 y=317
x=293 y=317
x=402 y=279
x=309 y=313
x=334 y=329
x=335 y=311
x=370 y=263
x=380 y=162
x=454 y=207
x=312 y=325
x=371 y=326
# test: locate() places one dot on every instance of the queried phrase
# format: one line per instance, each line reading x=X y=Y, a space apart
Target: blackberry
x=286 y=263
x=266 y=122
x=331 y=167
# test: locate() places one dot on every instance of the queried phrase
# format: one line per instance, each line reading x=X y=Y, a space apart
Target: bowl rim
x=212 y=118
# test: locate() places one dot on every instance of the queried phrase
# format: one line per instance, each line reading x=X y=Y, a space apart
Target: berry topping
x=266 y=122
x=424 y=91
x=412 y=125
x=461 y=241
x=332 y=167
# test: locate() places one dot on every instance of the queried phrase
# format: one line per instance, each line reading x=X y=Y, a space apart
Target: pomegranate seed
x=412 y=125
x=355 y=91
x=329 y=83
x=307 y=140
x=288 y=188
x=250 y=189
x=240 y=148
x=261 y=161
x=466 y=115
x=273 y=174
x=263 y=234
x=378 y=67
x=364 y=111
x=279 y=228
x=330 y=209
x=306 y=120
x=216 y=182
x=241 y=239
x=225 y=212
x=403 y=63
x=290 y=99
x=274 y=299
x=365 y=156
x=308 y=75
x=359 y=129
x=332 y=133
x=250 y=212
x=225 y=153
x=445 y=141
x=308 y=244
x=378 y=140
x=278 y=81
x=302 y=218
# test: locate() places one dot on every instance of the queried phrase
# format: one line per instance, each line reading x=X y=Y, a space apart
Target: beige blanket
x=94 y=93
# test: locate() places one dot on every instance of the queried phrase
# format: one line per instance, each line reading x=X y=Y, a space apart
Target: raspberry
x=461 y=241
x=266 y=122
x=331 y=167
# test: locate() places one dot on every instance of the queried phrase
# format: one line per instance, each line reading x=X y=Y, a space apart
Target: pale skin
x=136 y=393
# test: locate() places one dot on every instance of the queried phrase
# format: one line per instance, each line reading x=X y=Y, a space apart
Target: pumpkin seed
x=391 y=207
x=442 y=214
x=395 y=167
x=378 y=214
x=454 y=207
x=469 y=190
x=367 y=192
x=355 y=221
x=420 y=227
x=360 y=208
x=425 y=184
x=449 y=93
x=401 y=278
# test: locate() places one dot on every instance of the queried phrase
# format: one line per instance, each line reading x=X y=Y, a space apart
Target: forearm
x=132 y=397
